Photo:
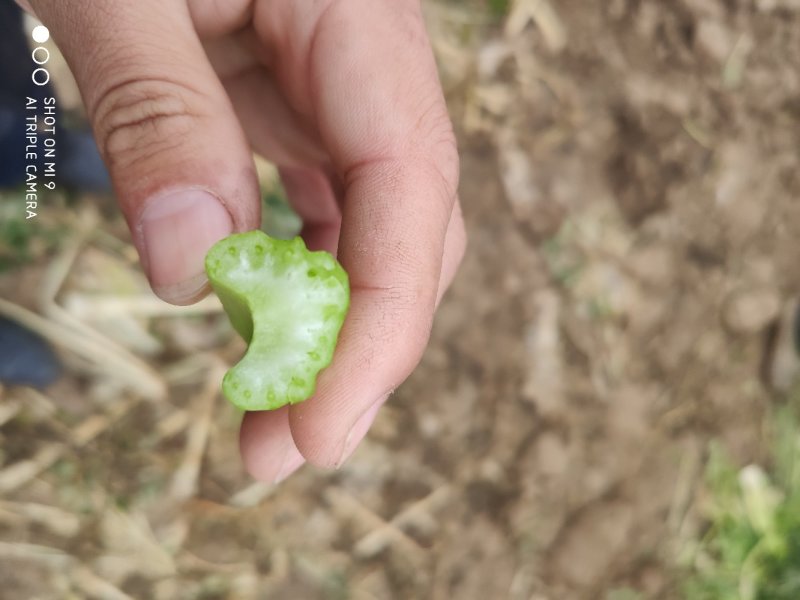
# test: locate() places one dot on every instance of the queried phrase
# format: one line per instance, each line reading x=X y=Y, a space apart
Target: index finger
x=381 y=113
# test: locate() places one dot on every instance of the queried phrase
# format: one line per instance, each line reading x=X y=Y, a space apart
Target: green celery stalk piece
x=288 y=304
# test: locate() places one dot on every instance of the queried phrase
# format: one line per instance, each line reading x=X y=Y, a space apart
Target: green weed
x=751 y=550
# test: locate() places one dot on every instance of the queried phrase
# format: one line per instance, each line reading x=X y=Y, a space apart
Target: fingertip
x=184 y=292
x=358 y=432
x=268 y=451
x=319 y=446
x=328 y=440
x=175 y=232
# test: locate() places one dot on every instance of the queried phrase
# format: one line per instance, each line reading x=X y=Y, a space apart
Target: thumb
x=179 y=160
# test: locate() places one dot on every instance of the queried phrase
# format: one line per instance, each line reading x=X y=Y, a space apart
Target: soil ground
x=630 y=181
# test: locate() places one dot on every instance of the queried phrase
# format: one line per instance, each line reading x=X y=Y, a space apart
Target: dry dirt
x=629 y=182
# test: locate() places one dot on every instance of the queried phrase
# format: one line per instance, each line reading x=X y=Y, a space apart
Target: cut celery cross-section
x=289 y=304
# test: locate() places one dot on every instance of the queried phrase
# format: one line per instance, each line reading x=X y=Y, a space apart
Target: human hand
x=344 y=96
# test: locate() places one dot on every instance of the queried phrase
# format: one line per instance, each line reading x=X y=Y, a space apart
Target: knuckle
x=141 y=118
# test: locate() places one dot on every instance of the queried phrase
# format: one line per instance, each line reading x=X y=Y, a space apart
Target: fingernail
x=178 y=229
x=359 y=430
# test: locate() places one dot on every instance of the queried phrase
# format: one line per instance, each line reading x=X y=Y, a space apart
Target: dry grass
x=627 y=186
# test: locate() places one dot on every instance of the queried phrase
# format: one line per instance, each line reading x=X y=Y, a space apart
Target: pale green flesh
x=289 y=304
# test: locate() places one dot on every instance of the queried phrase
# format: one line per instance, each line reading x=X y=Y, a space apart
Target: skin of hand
x=343 y=95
